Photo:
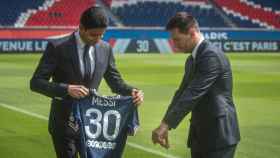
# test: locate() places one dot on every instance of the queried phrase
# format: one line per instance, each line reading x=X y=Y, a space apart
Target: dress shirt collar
x=194 y=52
x=79 y=40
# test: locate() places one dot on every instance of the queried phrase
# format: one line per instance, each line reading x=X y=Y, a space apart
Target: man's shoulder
x=210 y=50
x=62 y=40
x=216 y=54
x=104 y=44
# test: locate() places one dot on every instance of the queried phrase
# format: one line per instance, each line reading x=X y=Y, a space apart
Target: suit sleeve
x=40 y=81
x=208 y=70
x=175 y=96
x=113 y=78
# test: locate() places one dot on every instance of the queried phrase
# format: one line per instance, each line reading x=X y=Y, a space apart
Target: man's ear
x=81 y=27
x=192 y=31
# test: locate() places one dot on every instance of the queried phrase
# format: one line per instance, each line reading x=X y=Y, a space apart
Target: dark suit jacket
x=60 y=63
x=206 y=91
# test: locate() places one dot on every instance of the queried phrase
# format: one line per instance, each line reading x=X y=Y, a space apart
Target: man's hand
x=138 y=96
x=160 y=135
x=77 y=91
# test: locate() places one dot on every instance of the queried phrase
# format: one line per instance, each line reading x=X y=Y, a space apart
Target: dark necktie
x=189 y=65
x=87 y=65
x=189 y=69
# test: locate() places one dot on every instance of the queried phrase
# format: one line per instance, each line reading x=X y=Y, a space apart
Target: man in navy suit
x=74 y=64
x=205 y=91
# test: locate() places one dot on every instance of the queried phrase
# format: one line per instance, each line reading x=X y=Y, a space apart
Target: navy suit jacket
x=60 y=63
x=206 y=91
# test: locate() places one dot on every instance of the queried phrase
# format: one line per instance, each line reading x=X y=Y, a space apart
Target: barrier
x=143 y=40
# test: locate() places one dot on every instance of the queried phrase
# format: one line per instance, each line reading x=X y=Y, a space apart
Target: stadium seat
x=258 y=14
x=272 y=4
x=61 y=13
x=157 y=13
x=11 y=10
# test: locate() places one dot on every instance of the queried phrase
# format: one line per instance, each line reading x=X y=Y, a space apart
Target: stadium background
x=246 y=29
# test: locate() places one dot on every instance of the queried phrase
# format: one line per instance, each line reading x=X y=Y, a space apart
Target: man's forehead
x=96 y=31
x=174 y=32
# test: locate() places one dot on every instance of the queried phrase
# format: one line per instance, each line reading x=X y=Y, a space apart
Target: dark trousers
x=227 y=152
x=67 y=145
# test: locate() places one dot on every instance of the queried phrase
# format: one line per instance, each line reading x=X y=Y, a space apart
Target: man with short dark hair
x=206 y=91
x=76 y=63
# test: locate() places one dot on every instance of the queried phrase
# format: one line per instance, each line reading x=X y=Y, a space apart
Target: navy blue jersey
x=104 y=124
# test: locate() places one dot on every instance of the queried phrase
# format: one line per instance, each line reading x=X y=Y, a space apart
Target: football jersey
x=105 y=122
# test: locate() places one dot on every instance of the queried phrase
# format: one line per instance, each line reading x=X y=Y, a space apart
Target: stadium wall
x=143 y=40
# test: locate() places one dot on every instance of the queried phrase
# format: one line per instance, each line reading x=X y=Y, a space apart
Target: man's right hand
x=160 y=135
x=77 y=91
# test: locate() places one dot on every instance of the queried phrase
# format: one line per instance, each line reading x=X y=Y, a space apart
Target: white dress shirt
x=80 y=48
x=194 y=52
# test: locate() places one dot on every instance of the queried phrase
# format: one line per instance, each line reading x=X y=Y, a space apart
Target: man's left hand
x=138 y=96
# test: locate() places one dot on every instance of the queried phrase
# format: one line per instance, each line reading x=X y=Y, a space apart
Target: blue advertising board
x=157 y=41
x=22 y=45
x=211 y=34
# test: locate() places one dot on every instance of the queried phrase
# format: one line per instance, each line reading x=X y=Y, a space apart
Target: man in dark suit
x=74 y=64
x=206 y=91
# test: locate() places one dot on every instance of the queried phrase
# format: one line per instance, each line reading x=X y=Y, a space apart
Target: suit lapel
x=190 y=68
x=201 y=48
x=199 y=52
x=191 y=64
x=73 y=50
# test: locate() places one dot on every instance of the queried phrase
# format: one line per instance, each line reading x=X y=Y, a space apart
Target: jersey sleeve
x=133 y=123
